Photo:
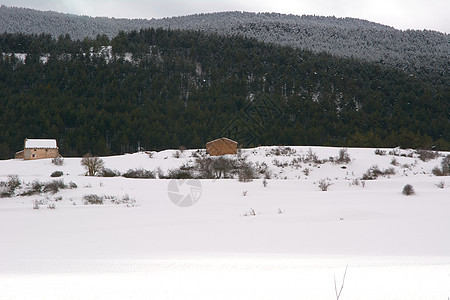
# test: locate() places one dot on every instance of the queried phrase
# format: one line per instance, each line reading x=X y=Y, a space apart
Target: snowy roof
x=222 y=138
x=40 y=143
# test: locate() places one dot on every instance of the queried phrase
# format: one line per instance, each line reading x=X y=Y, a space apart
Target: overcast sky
x=401 y=14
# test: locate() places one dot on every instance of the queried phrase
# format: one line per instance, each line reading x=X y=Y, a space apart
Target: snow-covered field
x=299 y=240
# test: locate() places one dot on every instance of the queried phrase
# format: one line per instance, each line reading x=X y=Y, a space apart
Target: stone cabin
x=38 y=149
x=221 y=146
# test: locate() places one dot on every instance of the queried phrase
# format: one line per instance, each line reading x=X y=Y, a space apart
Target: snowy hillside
x=412 y=50
x=276 y=237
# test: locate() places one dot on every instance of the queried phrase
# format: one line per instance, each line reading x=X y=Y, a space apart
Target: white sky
x=401 y=14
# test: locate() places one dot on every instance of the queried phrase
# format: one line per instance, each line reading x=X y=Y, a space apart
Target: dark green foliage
x=186 y=88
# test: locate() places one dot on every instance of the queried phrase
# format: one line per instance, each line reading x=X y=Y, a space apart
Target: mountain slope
x=412 y=50
x=165 y=88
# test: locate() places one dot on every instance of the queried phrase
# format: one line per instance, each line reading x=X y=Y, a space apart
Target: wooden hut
x=221 y=146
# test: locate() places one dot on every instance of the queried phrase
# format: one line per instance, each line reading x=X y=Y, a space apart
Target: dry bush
x=57 y=174
x=324 y=184
x=408 y=190
x=343 y=157
x=58 y=161
x=139 y=173
x=440 y=185
x=426 y=155
x=92 y=164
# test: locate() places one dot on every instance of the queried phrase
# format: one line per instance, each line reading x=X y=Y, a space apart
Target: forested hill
x=412 y=50
x=159 y=89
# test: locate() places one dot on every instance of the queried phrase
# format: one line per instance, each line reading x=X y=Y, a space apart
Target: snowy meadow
x=309 y=223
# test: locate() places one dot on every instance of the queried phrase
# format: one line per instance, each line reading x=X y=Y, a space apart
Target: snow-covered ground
x=299 y=240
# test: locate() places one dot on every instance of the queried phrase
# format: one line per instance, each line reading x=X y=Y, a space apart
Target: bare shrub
x=34 y=188
x=251 y=212
x=139 y=173
x=394 y=162
x=223 y=167
x=265 y=183
x=445 y=165
x=58 y=161
x=306 y=171
x=125 y=199
x=380 y=152
x=437 y=172
x=356 y=182
x=92 y=199
x=324 y=184
x=408 y=190
x=246 y=172
x=35 y=204
x=204 y=167
x=180 y=173
x=281 y=151
x=14 y=182
x=311 y=157
x=426 y=155
x=72 y=185
x=374 y=172
x=54 y=186
x=105 y=172
x=343 y=157
x=8 y=188
x=388 y=171
x=440 y=185
x=92 y=164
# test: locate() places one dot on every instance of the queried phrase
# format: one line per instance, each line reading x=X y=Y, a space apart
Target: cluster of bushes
x=98 y=200
x=8 y=188
x=395 y=152
x=54 y=186
x=426 y=155
x=14 y=186
x=281 y=151
x=374 y=172
x=216 y=168
x=139 y=173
